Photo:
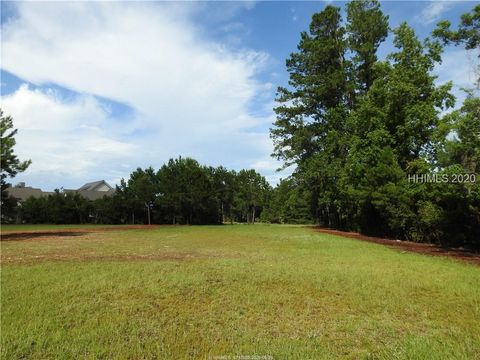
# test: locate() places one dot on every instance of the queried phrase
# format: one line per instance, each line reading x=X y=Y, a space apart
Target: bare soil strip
x=16 y=235
x=428 y=249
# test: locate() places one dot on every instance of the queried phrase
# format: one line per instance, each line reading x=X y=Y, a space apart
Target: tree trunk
x=253 y=215
x=223 y=215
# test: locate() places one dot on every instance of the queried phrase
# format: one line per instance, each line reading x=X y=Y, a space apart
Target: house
x=92 y=191
x=101 y=185
x=22 y=192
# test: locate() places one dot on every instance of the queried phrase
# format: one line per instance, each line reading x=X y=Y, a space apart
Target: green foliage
x=288 y=203
x=181 y=192
x=185 y=193
x=251 y=196
x=458 y=152
x=317 y=76
x=463 y=145
x=467 y=32
x=10 y=165
x=58 y=208
x=367 y=28
x=356 y=128
x=225 y=186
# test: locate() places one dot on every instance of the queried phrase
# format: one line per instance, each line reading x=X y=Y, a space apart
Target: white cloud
x=64 y=139
x=458 y=65
x=267 y=164
x=294 y=14
x=190 y=95
x=433 y=11
x=235 y=26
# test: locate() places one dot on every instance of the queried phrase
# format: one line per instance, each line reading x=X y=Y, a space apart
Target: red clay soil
x=30 y=234
x=428 y=249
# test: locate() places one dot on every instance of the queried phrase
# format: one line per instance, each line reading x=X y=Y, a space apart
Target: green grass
x=202 y=292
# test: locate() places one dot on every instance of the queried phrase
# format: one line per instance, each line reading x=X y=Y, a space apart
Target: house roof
x=23 y=193
x=92 y=191
x=93 y=186
x=91 y=194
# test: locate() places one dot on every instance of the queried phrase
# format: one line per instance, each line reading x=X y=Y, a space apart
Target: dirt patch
x=34 y=234
x=428 y=249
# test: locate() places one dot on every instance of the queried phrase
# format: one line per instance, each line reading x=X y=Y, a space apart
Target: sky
x=97 y=89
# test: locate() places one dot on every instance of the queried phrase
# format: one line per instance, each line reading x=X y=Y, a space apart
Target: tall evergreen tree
x=311 y=129
x=11 y=165
x=393 y=135
x=367 y=28
x=317 y=85
x=310 y=117
x=251 y=195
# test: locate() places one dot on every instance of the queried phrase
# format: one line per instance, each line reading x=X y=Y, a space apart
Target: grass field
x=281 y=292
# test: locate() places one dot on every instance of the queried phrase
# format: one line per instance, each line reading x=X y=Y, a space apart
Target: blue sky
x=97 y=89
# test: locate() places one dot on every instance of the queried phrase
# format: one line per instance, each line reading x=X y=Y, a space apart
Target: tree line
x=365 y=133
x=180 y=192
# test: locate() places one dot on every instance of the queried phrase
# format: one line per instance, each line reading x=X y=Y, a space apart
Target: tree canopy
x=11 y=165
x=358 y=128
x=181 y=192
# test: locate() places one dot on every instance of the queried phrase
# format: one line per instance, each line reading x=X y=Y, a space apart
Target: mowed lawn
x=273 y=291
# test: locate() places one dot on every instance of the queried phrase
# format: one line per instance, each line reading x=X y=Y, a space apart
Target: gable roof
x=92 y=191
x=23 y=193
x=93 y=186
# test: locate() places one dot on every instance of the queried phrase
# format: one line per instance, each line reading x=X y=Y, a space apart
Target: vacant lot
x=280 y=292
